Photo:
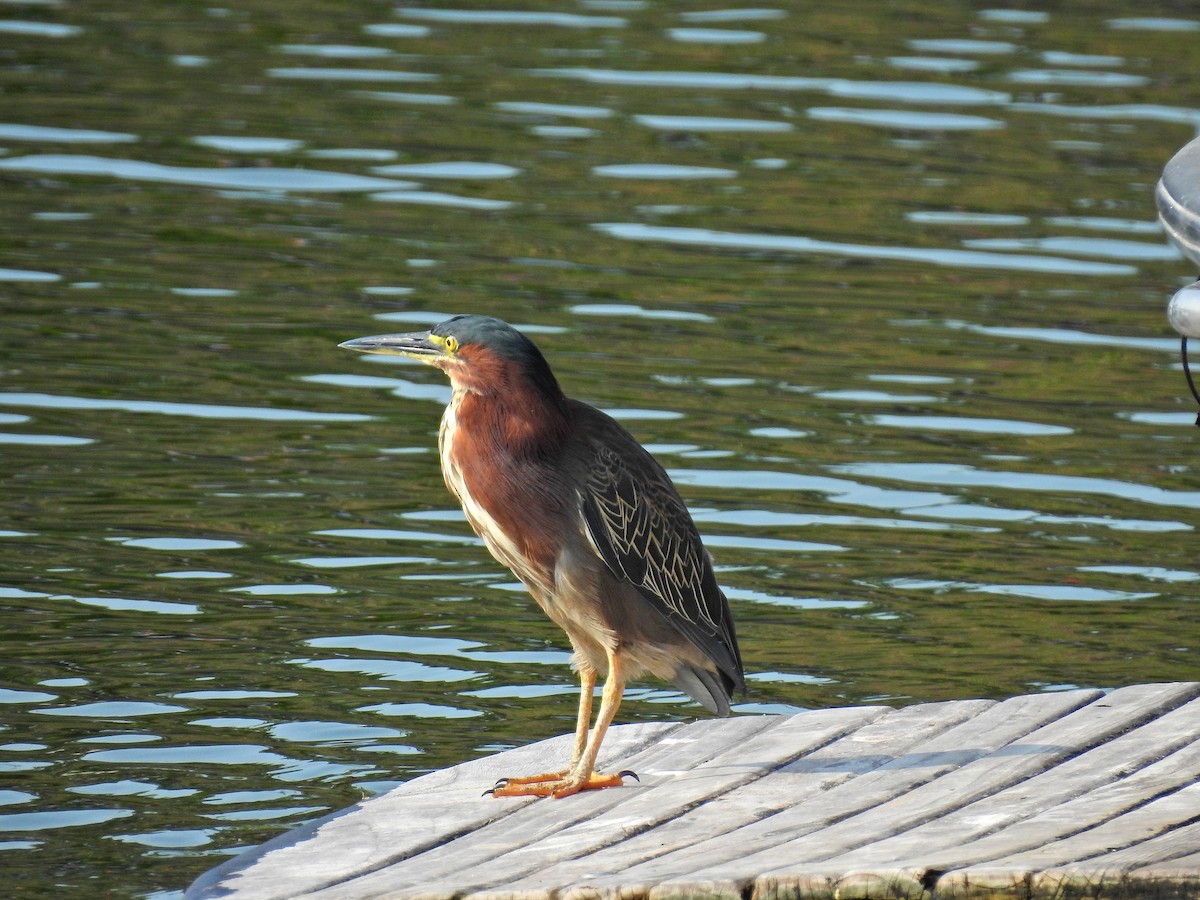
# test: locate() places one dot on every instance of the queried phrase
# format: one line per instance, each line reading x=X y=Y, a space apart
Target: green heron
x=587 y=520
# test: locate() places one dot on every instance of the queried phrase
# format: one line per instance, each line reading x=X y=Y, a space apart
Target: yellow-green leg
x=581 y=776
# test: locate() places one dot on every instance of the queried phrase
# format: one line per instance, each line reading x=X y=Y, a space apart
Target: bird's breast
x=478 y=478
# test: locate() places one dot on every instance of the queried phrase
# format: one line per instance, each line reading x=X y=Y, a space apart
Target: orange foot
x=557 y=784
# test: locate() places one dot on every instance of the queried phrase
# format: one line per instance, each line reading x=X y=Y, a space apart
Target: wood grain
x=1044 y=795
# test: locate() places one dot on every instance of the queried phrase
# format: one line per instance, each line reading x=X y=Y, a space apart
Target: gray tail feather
x=705 y=687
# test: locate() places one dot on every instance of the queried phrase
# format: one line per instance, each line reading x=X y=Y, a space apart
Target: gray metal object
x=1178 y=199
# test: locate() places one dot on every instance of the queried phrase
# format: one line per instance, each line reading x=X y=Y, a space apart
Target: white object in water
x=1183 y=312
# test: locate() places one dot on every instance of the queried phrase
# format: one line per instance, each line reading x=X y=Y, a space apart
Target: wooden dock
x=1058 y=795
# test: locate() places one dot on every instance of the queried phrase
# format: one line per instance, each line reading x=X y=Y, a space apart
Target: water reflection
x=396 y=534
x=337 y=51
x=749 y=14
x=1060 y=592
x=1102 y=223
x=169 y=408
x=126 y=787
x=1154 y=573
x=661 y=170
x=1106 y=248
x=1015 y=16
x=44 y=133
x=792 y=602
x=1067 y=336
x=715 y=36
x=266 y=179
x=933 y=64
x=176 y=544
x=1151 y=112
x=566 y=110
x=175 y=839
x=969 y=476
x=38 y=29
x=421 y=711
x=704 y=237
x=409 y=97
x=963 y=45
x=712 y=124
x=7 y=695
x=969 y=425
x=889 y=314
x=397 y=30
x=1066 y=77
x=40 y=821
x=571 y=132
x=474 y=171
x=509 y=17
x=630 y=310
x=27 y=275
x=1152 y=23
x=906 y=121
x=354 y=562
x=316 y=73
x=112 y=604
x=390 y=670
x=881 y=397
x=111 y=709
x=897 y=92
x=45 y=440
x=439 y=198
x=238 y=144
x=284 y=590
x=195 y=574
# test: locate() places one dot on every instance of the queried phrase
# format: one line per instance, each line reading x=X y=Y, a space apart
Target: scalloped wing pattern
x=645 y=535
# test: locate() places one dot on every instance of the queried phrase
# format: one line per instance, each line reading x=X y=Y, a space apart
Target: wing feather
x=645 y=535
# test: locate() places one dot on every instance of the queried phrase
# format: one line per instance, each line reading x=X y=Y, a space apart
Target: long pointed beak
x=417 y=345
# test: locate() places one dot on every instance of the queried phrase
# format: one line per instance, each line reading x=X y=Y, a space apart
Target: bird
x=585 y=517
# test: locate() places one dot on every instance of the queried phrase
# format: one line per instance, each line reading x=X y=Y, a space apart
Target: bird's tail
x=705 y=687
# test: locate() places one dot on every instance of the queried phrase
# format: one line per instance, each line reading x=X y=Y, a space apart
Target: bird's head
x=479 y=354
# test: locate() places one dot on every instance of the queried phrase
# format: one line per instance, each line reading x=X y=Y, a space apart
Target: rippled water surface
x=880 y=284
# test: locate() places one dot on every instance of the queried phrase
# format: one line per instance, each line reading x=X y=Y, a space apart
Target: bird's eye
x=451 y=344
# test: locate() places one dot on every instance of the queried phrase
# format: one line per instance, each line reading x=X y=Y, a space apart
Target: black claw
x=487 y=792
x=631 y=774
x=501 y=783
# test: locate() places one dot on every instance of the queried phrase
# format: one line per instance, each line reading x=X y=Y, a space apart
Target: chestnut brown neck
x=514 y=409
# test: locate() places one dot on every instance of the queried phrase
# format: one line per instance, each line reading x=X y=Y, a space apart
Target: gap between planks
x=968 y=796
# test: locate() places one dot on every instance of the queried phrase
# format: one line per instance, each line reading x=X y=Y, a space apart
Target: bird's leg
x=587 y=687
x=582 y=775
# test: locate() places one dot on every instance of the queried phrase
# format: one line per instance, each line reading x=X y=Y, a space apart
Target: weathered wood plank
x=1048 y=795
x=1109 y=886
x=1094 y=787
x=1096 y=843
x=1073 y=882
x=903 y=792
x=415 y=817
x=686 y=768
x=1033 y=812
x=1175 y=851
x=703 y=836
x=462 y=862
x=875 y=841
x=836 y=883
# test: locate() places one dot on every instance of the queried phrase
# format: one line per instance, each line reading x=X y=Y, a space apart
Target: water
x=883 y=290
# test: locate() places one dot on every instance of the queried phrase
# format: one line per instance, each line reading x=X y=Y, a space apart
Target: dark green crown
x=502 y=339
